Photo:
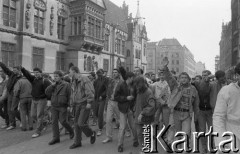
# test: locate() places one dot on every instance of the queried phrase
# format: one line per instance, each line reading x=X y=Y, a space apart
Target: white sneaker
x=99 y=133
x=4 y=126
x=128 y=134
x=11 y=128
x=35 y=135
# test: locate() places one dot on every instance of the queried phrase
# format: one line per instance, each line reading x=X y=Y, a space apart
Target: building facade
x=217 y=63
x=226 y=47
x=235 y=7
x=151 y=52
x=174 y=51
x=90 y=34
x=136 y=43
x=200 y=67
x=189 y=62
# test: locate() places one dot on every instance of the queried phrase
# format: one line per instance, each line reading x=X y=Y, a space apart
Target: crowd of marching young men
x=131 y=99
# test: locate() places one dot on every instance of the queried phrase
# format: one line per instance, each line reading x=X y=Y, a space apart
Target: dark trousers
x=81 y=122
x=4 y=111
x=98 y=112
x=12 y=110
x=25 y=112
x=205 y=117
x=59 y=114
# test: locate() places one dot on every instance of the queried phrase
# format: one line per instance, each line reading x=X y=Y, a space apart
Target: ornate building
x=52 y=34
x=151 y=52
x=136 y=43
x=172 y=49
x=189 y=62
x=200 y=67
x=226 y=47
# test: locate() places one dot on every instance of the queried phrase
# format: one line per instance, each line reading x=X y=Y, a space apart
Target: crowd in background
x=126 y=101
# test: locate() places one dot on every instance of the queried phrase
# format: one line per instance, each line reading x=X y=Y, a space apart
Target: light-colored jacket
x=22 y=89
x=82 y=90
x=161 y=91
x=226 y=115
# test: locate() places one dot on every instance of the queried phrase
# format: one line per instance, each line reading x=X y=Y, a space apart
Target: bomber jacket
x=22 y=89
x=13 y=78
x=60 y=94
x=100 y=87
x=82 y=91
x=121 y=93
x=39 y=85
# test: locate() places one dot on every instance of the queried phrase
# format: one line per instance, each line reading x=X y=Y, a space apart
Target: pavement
x=18 y=142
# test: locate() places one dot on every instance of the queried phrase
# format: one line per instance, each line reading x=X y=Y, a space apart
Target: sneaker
x=120 y=148
x=4 y=126
x=11 y=128
x=74 y=146
x=93 y=138
x=107 y=140
x=94 y=124
x=99 y=133
x=127 y=133
x=35 y=135
x=24 y=129
x=116 y=126
x=30 y=128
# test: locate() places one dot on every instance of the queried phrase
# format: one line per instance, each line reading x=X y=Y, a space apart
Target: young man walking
x=226 y=115
x=100 y=86
x=183 y=103
x=39 y=98
x=112 y=107
x=22 y=94
x=13 y=76
x=82 y=96
x=124 y=98
x=60 y=93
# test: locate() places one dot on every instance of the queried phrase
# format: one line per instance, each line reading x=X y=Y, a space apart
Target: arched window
x=128 y=53
x=89 y=64
x=118 y=62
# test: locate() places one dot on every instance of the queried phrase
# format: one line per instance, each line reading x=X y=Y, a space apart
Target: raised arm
x=27 y=74
x=5 y=69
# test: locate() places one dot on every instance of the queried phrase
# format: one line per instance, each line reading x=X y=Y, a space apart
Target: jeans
x=81 y=122
x=25 y=111
x=98 y=112
x=38 y=112
x=4 y=111
x=139 y=129
x=182 y=122
x=12 y=110
x=124 y=118
x=111 y=109
x=205 y=117
x=59 y=114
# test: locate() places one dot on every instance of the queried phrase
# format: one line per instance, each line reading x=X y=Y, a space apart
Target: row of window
x=10 y=56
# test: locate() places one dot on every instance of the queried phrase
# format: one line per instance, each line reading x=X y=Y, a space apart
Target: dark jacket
x=60 y=94
x=121 y=93
x=203 y=89
x=100 y=87
x=39 y=85
x=145 y=105
x=12 y=77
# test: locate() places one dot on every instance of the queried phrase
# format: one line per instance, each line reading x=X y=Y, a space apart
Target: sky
x=194 y=23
